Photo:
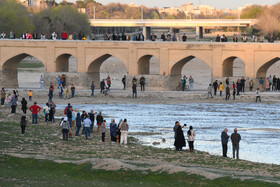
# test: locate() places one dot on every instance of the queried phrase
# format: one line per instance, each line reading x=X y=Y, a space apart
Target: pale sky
x=221 y=4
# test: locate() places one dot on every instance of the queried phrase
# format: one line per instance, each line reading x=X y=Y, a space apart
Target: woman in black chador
x=179 y=137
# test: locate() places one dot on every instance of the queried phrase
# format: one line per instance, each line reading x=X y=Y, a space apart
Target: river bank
x=44 y=142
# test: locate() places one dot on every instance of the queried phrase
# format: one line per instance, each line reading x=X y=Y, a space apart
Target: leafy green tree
x=59 y=19
x=252 y=12
x=14 y=16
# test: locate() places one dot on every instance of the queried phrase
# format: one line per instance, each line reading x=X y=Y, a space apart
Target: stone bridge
x=172 y=56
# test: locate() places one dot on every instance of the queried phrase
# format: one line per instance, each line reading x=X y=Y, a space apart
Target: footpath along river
x=258 y=124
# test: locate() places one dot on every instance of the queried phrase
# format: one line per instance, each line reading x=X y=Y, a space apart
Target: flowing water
x=258 y=124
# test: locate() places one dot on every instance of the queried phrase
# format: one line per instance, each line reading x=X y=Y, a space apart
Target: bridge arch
x=191 y=66
x=10 y=69
x=66 y=62
x=148 y=64
x=94 y=69
x=229 y=68
x=262 y=71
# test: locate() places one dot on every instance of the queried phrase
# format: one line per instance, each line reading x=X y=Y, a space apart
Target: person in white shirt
x=46 y=110
x=191 y=135
x=87 y=123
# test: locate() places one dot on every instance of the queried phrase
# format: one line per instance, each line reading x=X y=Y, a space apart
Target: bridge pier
x=147 y=32
x=8 y=78
x=79 y=80
x=199 y=32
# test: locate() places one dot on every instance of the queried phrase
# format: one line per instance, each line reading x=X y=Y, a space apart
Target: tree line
x=14 y=16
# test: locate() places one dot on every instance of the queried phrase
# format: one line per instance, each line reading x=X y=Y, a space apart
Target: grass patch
x=30 y=65
x=31 y=172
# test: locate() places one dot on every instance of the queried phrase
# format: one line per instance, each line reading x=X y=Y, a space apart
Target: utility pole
x=94 y=12
x=142 y=12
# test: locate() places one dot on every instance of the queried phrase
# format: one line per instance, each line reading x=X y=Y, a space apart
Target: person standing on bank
x=258 y=95
x=113 y=130
x=124 y=82
x=134 y=91
x=180 y=141
x=23 y=105
x=3 y=96
x=124 y=131
x=103 y=130
x=35 y=109
x=191 y=135
x=92 y=88
x=142 y=83
x=99 y=121
x=224 y=138
x=41 y=82
x=14 y=104
x=235 y=139
x=23 y=123
x=209 y=91
x=72 y=90
x=221 y=88
x=191 y=81
x=215 y=86
x=65 y=127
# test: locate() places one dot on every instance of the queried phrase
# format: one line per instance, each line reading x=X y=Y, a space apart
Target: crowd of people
x=126 y=37
x=180 y=141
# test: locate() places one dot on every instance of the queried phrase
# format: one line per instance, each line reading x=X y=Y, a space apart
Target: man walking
x=224 y=138
x=235 y=139
x=35 y=109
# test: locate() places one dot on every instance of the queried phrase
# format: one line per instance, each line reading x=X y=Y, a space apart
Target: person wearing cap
x=65 y=129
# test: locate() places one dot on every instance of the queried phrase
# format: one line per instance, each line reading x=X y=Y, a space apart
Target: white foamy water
x=259 y=125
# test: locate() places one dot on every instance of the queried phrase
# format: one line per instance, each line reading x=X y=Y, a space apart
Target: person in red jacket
x=35 y=109
x=64 y=35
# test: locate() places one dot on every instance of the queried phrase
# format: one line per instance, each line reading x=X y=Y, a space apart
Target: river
x=258 y=124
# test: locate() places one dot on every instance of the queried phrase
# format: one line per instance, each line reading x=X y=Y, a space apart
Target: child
x=103 y=130
x=221 y=88
x=66 y=93
x=23 y=124
x=258 y=95
x=30 y=94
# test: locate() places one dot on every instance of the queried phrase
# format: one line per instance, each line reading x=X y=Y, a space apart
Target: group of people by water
x=180 y=141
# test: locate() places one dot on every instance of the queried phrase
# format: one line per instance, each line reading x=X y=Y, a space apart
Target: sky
x=220 y=4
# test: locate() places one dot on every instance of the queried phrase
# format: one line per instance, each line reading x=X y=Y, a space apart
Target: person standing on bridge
x=64 y=35
x=134 y=91
x=218 y=38
x=163 y=38
x=174 y=37
x=108 y=82
x=153 y=37
x=235 y=39
x=142 y=38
